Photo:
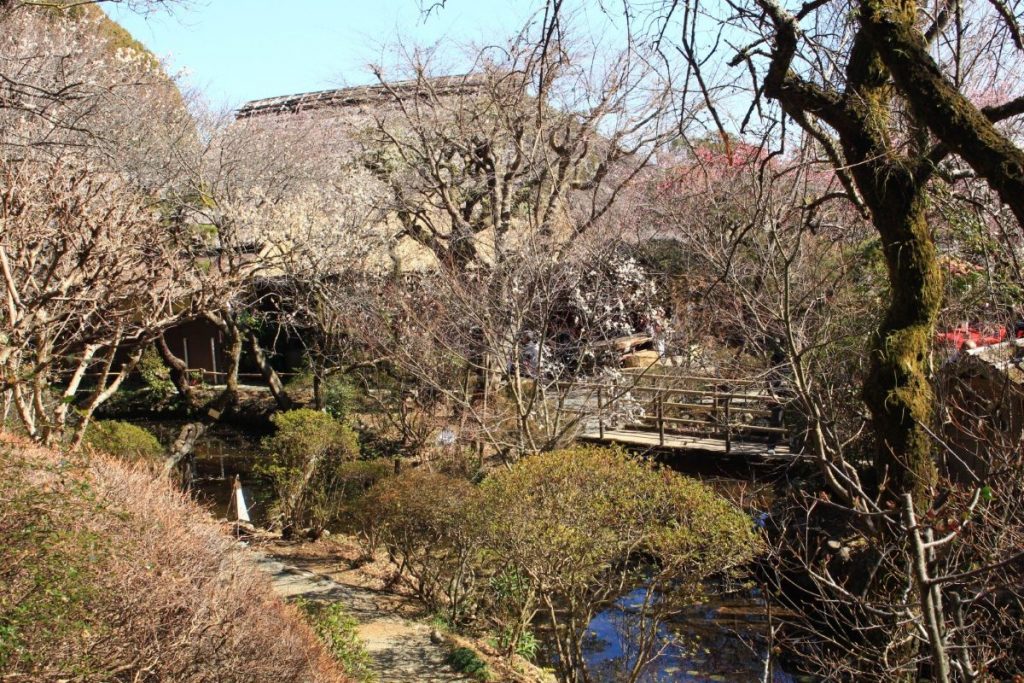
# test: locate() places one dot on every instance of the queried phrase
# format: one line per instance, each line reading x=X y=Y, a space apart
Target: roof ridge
x=358 y=94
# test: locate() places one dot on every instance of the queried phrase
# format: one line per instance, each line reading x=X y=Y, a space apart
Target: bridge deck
x=679 y=442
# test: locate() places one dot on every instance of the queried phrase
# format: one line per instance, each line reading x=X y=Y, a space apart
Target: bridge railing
x=706 y=407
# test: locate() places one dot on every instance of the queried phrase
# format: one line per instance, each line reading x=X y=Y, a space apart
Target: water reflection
x=723 y=641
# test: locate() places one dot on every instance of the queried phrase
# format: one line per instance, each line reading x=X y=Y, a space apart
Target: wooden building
x=200 y=344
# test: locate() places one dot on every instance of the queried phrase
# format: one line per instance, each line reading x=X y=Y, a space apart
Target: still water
x=724 y=641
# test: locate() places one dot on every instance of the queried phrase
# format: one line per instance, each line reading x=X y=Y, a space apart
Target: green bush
x=511 y=597
x=155 y=374
x=305 y=461
x=578 y=528
x=613 y=523
x=467 y=661
x=338 y=630
x=524 y=644
x=124 y=440
x=339 y=393
x=304 y=432
x=340 y=396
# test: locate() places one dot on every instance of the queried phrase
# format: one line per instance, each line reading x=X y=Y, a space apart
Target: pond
x=219 y=458
x=721 y=641
x=222 y=453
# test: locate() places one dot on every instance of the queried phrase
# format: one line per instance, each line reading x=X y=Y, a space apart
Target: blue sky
x=237 y=50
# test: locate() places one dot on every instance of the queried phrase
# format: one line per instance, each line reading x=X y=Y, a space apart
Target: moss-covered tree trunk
x=898 y=389
x=969 y=131
x=891 y=179
x=892 y=183
x=937 y=101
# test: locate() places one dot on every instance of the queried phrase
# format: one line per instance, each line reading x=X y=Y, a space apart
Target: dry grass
x=107 y=574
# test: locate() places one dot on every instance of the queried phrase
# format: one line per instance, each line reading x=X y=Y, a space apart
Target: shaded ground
x=401 y=645
x=401 y=650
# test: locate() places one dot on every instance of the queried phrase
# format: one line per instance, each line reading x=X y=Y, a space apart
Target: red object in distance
x=959 y=336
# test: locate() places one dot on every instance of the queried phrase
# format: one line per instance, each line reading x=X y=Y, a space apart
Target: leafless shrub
x=109 y=575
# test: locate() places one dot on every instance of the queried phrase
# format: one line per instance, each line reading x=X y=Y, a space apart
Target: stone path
x=401 y=650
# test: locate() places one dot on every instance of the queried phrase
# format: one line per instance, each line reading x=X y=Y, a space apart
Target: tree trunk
x=184 y=446
x=102 y=393
x=898 y=391
x=60 y=413
x=233 y=346
x=178 y=371
x=270 y=376
x=319 y=395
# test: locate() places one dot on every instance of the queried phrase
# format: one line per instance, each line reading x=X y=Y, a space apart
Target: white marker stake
x=240 y=507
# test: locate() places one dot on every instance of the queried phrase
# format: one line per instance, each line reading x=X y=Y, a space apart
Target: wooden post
x=661 y=419
x=600 y=413
x=241 y=509
x=728 y=427
x=213 y=358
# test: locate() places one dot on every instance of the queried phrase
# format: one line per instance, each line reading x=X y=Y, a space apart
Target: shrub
x=348 y=482
x=358 y=476
x=570 y=532
x=613 y=523
x=467 y=661
x=303 y=460
x=108 y=574
x=124 y=440
x=340 y=396
x=430 y=525
x=511 y=603
x=524 y=644
x=154 y=373
x=338 y=631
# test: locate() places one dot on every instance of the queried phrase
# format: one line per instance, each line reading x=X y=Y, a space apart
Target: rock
x=240 y=528
x=641 y=359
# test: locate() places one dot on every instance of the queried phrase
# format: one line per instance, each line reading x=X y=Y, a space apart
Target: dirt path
x=401 y=650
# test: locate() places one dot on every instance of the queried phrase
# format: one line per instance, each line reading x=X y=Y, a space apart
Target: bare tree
x=537 y=141
x=90 y=271
x=89 y=275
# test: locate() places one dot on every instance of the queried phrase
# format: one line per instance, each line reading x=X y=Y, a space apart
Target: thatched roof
x=441 y=86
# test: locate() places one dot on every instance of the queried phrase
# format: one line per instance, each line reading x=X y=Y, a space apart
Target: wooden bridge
x=732 y=417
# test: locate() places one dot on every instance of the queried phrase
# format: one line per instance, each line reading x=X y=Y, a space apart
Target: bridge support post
x=661 y=419
x=600 y=413
x=728 y=427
